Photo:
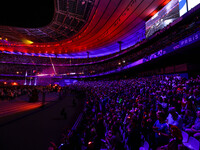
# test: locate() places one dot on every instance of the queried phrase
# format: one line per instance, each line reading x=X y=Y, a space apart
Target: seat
x=192 y=144
x=120 y=129
x=185 y=136
x=123 y=136
x=145 y=146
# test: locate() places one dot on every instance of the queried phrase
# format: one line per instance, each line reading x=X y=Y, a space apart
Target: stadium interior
x=100 y=75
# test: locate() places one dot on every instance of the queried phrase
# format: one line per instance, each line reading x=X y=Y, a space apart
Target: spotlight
x=28 y=42
x=83 y=2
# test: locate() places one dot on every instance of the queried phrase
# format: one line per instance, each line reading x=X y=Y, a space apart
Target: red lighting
x=166 y=2
x=5 y=83
x=69 y=41
x=153 y=13
x=14 y=83
x=84 y=39
x=1 y=48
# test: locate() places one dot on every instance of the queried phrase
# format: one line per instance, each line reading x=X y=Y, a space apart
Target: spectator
x=134 y=137
x=195 y=129
x=174 y=118
x=116 y=140
x=161 y=130
x=175 y=139
x=188 y=119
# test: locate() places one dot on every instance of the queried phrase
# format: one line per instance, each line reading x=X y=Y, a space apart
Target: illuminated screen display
x=161 y=19
x=192 y=3
x=182 y=7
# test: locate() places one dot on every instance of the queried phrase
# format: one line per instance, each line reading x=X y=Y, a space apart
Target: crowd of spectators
x=121 y=114
x=10 y=92
x=45 y=60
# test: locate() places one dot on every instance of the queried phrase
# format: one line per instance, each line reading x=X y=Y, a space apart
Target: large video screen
x=161 y=19
x=182 y=7
x=192 y=3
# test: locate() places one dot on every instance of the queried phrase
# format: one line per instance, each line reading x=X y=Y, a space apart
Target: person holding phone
x=161 y=130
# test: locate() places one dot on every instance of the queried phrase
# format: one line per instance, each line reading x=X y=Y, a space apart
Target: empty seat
x=123 y=136
x=185 y=136
x=120 y=129
x=145 y=146
x=192 y=144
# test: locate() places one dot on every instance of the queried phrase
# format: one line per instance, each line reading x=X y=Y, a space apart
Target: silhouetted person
x=34 y=96
x=43 y=97
x=74 y=102
x=63 y=113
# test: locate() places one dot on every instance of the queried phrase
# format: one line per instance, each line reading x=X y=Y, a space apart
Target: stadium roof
x=79 y=26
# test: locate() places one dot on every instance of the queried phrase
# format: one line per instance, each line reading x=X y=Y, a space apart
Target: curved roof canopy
x=79 y=26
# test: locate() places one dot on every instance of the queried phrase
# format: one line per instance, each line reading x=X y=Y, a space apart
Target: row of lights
x=18 y=72
x=5 y=39
x=119 y=63
x=13 y=83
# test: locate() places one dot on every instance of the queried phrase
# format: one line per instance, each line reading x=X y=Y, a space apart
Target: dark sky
x=26 y=13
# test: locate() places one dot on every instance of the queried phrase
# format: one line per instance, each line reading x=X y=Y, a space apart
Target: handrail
x=73 y=128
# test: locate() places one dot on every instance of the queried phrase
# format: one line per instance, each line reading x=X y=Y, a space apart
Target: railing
x=73 y=128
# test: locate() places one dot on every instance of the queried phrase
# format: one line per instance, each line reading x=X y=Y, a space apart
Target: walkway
x=21 y=104
x=35 y=130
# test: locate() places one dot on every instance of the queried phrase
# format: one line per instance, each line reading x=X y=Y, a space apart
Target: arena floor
x=27 y=126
